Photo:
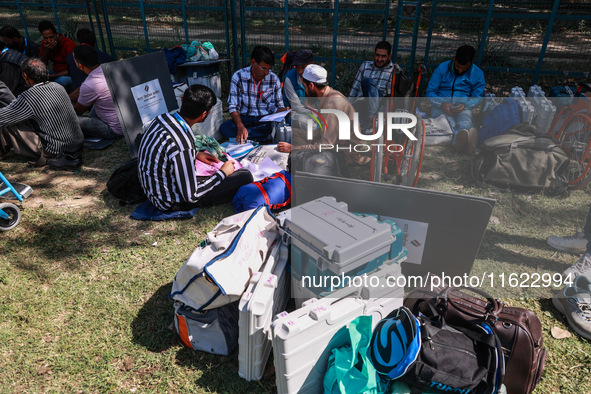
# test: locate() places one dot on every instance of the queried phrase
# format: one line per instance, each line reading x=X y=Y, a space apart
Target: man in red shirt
x=56 y=47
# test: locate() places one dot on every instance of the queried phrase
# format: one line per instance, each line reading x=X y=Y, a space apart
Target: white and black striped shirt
x=166 y=164
x=49 y=105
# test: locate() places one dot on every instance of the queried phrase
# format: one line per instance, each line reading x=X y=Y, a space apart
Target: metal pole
x=20 y=11
x=430 y=34
x=415 y=33
x=286 y=22
x=108 y=30
x=386 y=16
x=90 y=16
x=546 y=39
x=184 y=7
x=335 y=27
x=243 y=33
x=145 y=26
x=226 y=28
x=491 y=5
x=98 y=24
x=235 y=35
x=397 y=29
x=57 y=20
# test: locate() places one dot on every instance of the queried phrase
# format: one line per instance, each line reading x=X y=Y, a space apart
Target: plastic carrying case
x=327 y=240
x=266 y=295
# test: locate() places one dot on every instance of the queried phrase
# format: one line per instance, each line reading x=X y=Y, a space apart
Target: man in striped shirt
x=48 y=104
x=167 y=154
x=374 y=80
x=255 y=91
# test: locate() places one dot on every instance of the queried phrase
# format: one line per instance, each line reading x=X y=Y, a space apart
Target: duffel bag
x=218 y=271
x=274 y=190
x=213 y=331
x=522 y=161
x=519 y=330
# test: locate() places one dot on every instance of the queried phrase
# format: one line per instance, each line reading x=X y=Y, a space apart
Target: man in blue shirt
x=255 y=91
x=455 y=88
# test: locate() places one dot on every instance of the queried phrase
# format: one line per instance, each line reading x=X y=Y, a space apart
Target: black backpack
x=125 y=185
x=456 y=359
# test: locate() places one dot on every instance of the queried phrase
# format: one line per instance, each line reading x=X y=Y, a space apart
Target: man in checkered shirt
x=374 y=79
x=255 y=91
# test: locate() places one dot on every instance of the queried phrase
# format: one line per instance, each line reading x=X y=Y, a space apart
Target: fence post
x=243 y=33
x=286 y=22
x=386 y=16
x=234 y=35
x=397 y=29
x=98 y=24
x=20 y=11
x=57 y=20
x=430 y=33
x=108 y=30
x=184 y=7
x=546 y=39
x=145 y=27
x=491 y=5
x=415 y=33
x=227 y=30
x=335 y=27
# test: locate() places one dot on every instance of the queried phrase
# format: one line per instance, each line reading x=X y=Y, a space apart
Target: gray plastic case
x=339 y=241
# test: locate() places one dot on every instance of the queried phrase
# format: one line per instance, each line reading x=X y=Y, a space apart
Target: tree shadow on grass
x=150 y=328
x=220 y=373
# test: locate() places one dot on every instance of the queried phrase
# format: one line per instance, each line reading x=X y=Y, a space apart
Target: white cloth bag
x=218 y=271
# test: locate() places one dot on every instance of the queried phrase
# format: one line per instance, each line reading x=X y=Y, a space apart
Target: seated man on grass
x=55 y=47
x=255 y=91
x=166 y=159
x=454 y=89
x=48 y=104
x=14 y=40
x=84 y=37
x=316 y=85
x=102 y=122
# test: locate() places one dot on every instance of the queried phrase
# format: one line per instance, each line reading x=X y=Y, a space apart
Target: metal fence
x=518 y=42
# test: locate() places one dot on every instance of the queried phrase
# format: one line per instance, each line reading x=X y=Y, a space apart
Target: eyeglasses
x=265 y=70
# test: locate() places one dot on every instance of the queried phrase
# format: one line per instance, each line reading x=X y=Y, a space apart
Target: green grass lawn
x=83 y=288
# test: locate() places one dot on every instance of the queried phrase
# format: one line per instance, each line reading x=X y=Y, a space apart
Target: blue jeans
x=457 y=122
x=257 y=131
x=93 y=127
x=65 y=81
x=369 y=88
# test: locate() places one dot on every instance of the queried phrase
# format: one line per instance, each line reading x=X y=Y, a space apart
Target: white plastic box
x=327 y=240
x=266 y=295
x=304 y=338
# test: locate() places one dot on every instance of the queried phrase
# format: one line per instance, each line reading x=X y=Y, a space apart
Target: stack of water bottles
x=545 y=109
x=527 y=109
x=490 y=102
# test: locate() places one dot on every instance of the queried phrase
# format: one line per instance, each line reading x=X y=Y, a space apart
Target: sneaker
x=581 y=267
x=574 y=302
x=575 y=244
x=461 y=141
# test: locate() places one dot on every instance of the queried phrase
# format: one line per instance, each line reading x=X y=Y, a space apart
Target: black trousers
x=221 y=194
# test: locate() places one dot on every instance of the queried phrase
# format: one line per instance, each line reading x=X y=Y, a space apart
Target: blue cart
x=10 y=214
